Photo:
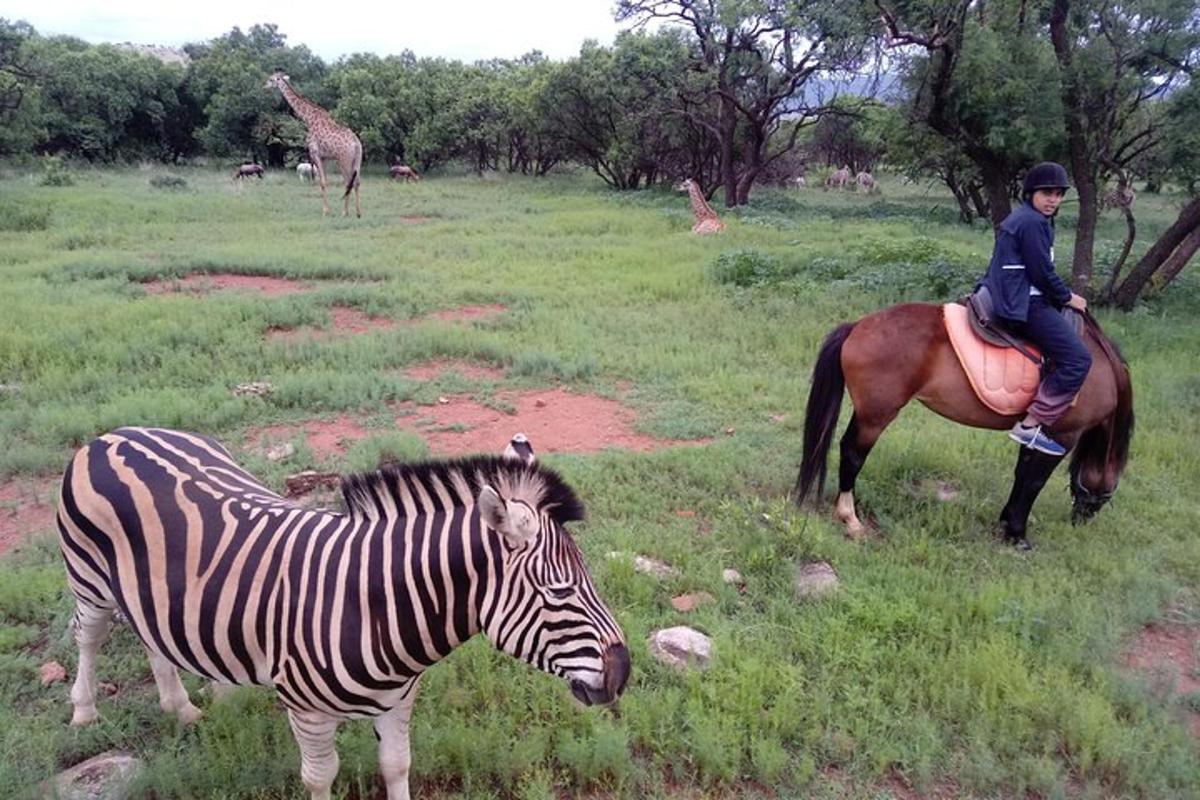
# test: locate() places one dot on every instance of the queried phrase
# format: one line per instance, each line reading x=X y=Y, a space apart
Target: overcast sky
x=460 y=29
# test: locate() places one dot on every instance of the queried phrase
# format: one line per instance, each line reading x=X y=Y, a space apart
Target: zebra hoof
x=84 y=715
x=189 y=714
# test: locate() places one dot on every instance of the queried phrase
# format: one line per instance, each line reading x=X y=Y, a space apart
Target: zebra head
x=547 y=611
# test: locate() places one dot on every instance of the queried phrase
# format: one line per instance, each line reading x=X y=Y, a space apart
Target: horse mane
x=456 y=483
x=1108 y=443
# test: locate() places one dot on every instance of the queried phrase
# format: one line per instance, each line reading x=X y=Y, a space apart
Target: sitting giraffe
x=706 y=218
x=326 y=139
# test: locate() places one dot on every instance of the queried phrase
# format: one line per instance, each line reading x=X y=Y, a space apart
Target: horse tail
x=821 y=416
x=1105 y=447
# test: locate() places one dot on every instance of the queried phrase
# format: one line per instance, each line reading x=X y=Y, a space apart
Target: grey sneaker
x=1034 y=439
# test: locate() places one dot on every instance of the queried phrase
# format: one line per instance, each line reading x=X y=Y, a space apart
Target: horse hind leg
x=856 y=445
x=92 y=625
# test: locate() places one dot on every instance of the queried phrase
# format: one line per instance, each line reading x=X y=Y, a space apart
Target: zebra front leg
x=314 y=733
x=394 y=753
x=91 y=629
x=172 y=697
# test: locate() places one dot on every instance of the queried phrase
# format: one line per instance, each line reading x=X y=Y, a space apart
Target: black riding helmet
x=1047 y=175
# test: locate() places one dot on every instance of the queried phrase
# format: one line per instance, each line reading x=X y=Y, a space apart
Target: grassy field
x=946 y=663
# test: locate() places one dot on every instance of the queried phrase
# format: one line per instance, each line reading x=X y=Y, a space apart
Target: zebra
x=340 y=612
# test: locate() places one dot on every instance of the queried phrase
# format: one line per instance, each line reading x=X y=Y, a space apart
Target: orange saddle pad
x=1004 y=380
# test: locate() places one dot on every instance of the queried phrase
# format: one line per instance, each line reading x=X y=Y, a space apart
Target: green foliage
x=55 y=172
x=945 y=658
x=14 y=217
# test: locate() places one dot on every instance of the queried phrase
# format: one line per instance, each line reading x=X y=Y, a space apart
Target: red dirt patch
x=326 y=439
x=346 y=322
x=464 y=314
x=26 y=507
x=555 y=421
x=199 y=283
x=414 y=220
x=431 y=370
x=1166 y=654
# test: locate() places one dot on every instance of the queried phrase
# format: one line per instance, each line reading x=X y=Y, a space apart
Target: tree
x=758 y=56
x=1114 y=59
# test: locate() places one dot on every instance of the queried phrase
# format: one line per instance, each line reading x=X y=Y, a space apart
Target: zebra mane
x=459 y=481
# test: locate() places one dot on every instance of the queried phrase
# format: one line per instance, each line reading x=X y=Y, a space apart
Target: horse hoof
x=1021 y=543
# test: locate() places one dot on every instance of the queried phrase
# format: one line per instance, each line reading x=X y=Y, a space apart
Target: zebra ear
x=518 y=526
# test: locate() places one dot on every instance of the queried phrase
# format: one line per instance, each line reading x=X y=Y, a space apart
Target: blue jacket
x=1024 y=258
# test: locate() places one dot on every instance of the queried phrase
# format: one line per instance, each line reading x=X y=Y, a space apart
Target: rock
x=108 y=776
x=647 y=566
x=255 y=389
x=685 y=513
x=280 y=451
x=815 y=580
x=730 y=431
x=107 y=689
x=945 y=491
x=690 y=602
x=304 y=482
x=733 y=577
x=681 y=647
x=52 y=672
x=442 y=400
x=539 y=403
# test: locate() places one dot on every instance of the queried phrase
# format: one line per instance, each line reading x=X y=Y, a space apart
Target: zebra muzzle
x=616 y=674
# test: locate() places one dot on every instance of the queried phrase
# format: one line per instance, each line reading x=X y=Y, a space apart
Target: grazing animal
x=799 y=182
x=248 y=171
x=839 y=178
x=340 y=612
x=889 y=357
x=306 y=171
x=1120 y=197
x=326 y=139
x=706 y=219
x=402 y=171
x=864 y=182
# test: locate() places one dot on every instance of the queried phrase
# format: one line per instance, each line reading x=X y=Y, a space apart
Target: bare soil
x=346 y=322
x=431 y=370
x=26 y=507
x=1165 y=653
x=200 y=283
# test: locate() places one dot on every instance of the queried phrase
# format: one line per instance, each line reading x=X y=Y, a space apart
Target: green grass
x=945 y=658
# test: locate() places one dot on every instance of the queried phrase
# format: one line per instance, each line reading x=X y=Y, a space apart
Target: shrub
x=168 y=182
x=747 y=267
x=55 y=173
x=17 y=219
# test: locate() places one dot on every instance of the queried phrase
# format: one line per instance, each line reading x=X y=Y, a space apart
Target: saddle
x=1003 y=369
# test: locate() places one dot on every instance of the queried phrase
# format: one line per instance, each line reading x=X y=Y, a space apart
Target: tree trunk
x=727 y=124
x=995 y=186
x=1131 y=224
x=981 y=207
x=1179 y=259
x=1085 y=230
x=1187 y=222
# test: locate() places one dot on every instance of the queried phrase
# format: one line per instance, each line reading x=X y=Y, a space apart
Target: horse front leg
x=1032 y=471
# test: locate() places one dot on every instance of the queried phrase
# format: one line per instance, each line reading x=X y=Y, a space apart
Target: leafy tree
x=20 y=76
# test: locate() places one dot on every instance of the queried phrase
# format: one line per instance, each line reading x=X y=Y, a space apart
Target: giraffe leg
x=91 y=629
x=172 y=697
x=314 y=732
x=394 y=754
x=315 y=155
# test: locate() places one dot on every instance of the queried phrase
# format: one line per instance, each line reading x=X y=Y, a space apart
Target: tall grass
x=946 y=658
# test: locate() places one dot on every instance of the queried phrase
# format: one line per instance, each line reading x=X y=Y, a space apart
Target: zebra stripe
x=339 y=612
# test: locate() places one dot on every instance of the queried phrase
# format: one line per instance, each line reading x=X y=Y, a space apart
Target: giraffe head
x=276 y=81
x=685 y=185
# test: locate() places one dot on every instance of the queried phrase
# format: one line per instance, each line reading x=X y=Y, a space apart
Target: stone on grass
x=52 y=672
x=254 y=389
x=733 y=577
x=107 y=776
x=690 y=602
x=648 y=566
x=681 y=647
x=280 y=451
x=815 y=580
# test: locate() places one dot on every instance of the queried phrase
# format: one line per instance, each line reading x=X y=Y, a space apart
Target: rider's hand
x=1077 y=302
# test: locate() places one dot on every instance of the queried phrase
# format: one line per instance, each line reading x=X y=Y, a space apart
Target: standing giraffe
x=326 y=139
x=706 y=218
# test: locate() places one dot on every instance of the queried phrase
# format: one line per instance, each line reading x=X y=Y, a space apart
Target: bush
x=55 y=173
x=168 y=182
x=17 y=219
x=747 y=267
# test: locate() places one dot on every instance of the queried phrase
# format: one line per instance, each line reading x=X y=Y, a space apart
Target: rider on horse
x=1028 y=296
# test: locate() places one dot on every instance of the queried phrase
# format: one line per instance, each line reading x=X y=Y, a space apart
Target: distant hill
x=167 y=55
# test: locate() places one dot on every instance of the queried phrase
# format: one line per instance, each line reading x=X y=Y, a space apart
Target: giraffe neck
x=700 y=206
x=306 y=109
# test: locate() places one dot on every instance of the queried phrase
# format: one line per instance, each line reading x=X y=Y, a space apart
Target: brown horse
x=889 y=357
